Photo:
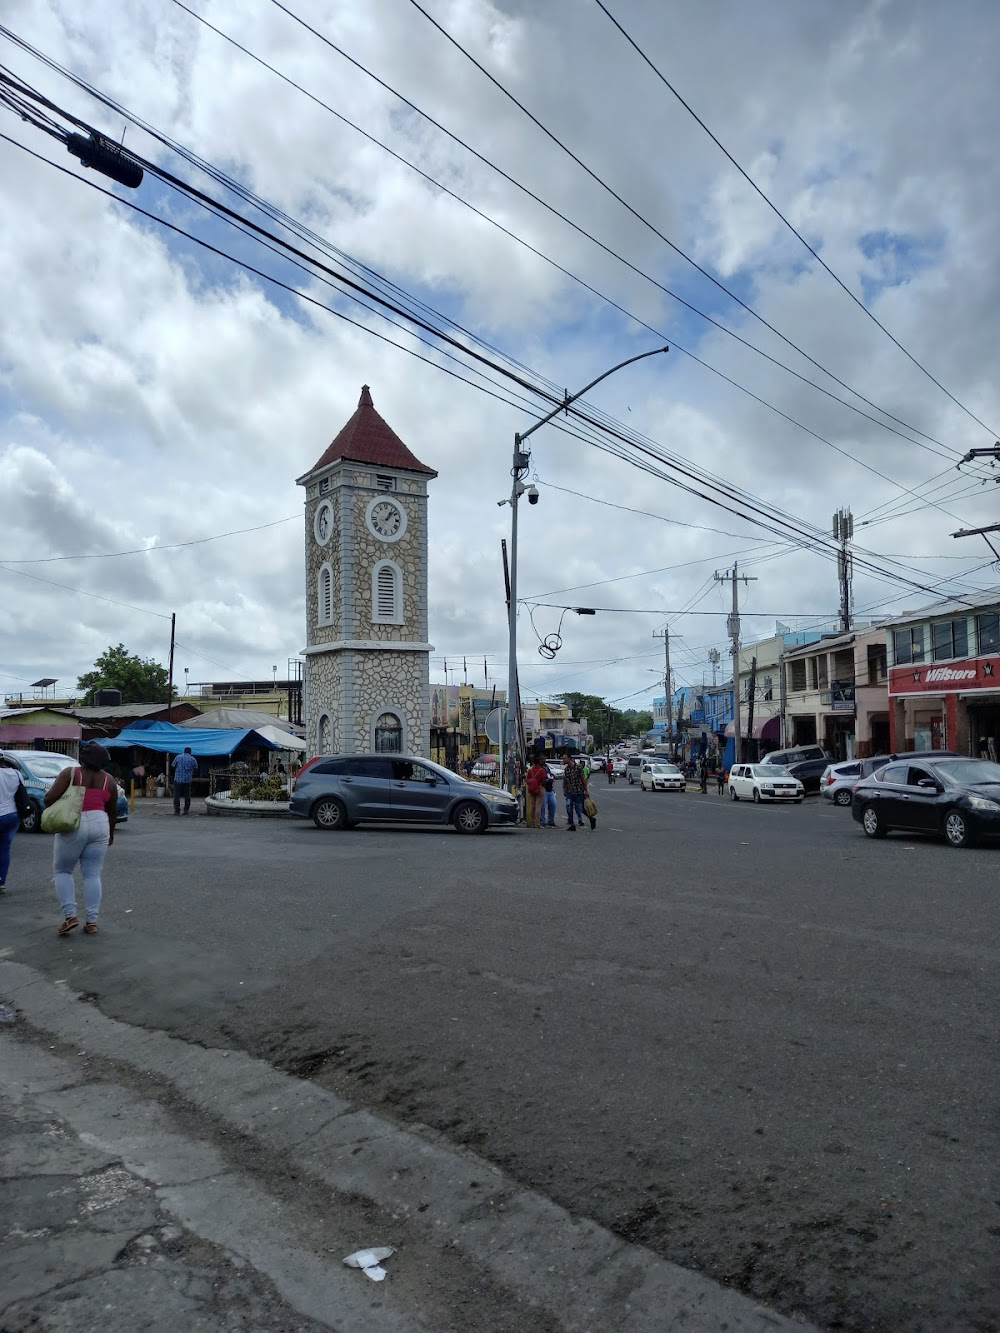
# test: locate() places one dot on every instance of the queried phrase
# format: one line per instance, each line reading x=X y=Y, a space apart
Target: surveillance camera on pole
x=532 y=495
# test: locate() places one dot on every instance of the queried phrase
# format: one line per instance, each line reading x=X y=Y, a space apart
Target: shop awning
x=165 y=738
x=764 y=728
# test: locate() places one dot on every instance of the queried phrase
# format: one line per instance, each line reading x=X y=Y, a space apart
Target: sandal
x=69 y=924
x=90 y=928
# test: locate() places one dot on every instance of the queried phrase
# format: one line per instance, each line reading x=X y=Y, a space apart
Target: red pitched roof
x=368 y=439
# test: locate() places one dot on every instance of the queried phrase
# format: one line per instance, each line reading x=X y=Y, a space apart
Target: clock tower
x=366 y=685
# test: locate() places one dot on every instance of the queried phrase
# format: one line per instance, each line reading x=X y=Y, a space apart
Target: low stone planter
x=222 y=804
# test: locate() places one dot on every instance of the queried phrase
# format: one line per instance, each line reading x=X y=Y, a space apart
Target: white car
x=556 y=767
x=620 y=765
x=655 y=775
x=764 y=782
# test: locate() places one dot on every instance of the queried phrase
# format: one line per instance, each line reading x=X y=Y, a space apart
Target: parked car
x=797 y=755
x=39 y=769
x=556 y=767
x=337 y=791
x=808 y=771
x=656 y=775
x=839 y=780
x=764 y=782
x=952 y=797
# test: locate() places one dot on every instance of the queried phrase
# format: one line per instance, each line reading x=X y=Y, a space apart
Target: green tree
x=604 y=722
x=638 y=722
x=141 y=680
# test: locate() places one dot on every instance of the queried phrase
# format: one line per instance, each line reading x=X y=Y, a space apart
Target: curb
x=588 y=1278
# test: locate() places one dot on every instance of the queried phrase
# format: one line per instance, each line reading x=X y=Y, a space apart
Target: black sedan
x=809 y=772
x=954 y=798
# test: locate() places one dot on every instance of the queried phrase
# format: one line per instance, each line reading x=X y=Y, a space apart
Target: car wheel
x=732 y=792
x=329 y=814
x=756 y=796
x=470 y=817
x=957 y=829
x=871 y=822
x=799 y=800
x=32 y=821
x=843 y=797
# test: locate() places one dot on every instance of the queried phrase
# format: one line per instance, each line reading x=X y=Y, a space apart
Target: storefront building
x=836 y=694
x=944 y=682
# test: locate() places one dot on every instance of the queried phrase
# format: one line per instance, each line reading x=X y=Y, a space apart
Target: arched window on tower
x=388 y=734
x=387 y=593
x=325 y=745
x=324 y=596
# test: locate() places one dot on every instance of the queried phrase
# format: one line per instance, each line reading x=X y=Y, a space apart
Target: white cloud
x=149 y=395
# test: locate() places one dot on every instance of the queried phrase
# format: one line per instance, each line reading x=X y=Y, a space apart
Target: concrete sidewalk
x=156 y=1185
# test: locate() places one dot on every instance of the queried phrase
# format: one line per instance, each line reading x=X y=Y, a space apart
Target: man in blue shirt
x=185 y=767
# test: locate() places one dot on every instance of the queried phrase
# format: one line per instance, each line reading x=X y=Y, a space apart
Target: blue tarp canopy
x=165 y=738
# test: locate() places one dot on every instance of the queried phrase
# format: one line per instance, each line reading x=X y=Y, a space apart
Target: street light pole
x=518 y=471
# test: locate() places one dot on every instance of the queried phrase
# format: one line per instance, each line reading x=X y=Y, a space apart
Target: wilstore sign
x=977 y=673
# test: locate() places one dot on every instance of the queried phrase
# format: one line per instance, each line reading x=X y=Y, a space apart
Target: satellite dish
x=496 y=722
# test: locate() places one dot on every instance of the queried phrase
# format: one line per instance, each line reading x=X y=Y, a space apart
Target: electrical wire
x=235 y=219
x=778 y=213
x=148 y=550
x=815 y=540
x=277 y=214
x=950 y=450
x=634 y=212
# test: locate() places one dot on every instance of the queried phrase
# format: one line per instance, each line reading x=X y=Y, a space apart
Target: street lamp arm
x=572 y=397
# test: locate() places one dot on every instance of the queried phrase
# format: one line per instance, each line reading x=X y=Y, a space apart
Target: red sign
x=976 y=673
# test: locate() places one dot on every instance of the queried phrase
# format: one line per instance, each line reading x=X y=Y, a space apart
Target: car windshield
x=771 y=771
x=47 y=766
x=969 y=772
x=670 y=769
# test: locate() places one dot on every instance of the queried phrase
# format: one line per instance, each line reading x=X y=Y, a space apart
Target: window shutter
x=325 y=597
x=386 y=594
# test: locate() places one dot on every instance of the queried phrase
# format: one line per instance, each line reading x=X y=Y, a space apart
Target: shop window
x=950 y=638
x=908 y=645
x=988 y=633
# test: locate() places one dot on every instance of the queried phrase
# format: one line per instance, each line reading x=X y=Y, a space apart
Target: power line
x=148 y=550
x=582 y=231
x=634 y=212
x=778 y=213
x=220 y=177
x=811 y=540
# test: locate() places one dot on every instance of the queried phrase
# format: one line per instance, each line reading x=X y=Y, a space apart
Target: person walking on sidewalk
x=575 y=791
x=720 y=777
x=535 y=784
x=90 y=843
x=10 y=818
x=703 y=776
x=185 y=767
x=549 y=801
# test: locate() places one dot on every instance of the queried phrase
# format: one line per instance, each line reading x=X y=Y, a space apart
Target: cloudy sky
x=154 y=394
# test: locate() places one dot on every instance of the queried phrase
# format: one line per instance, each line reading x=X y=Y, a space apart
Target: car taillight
x=830 y=780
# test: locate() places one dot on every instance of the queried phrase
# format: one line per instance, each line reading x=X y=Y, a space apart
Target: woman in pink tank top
x=88 y=846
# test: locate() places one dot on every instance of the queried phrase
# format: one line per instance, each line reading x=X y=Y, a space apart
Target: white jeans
x=89 y=846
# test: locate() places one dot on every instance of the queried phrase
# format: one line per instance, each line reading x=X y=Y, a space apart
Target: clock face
x=323 y=525
x=386 y=520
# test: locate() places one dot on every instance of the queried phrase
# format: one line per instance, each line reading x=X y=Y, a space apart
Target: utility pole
x=843 y=531
x=170 y=671
x=994 y=454
x=733 y=627
x=664 y=634
x=751 y=696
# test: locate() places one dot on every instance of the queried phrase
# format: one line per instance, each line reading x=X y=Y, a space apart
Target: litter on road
x=370 y=1261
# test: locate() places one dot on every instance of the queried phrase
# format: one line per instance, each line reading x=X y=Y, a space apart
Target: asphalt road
x=745 y=1037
